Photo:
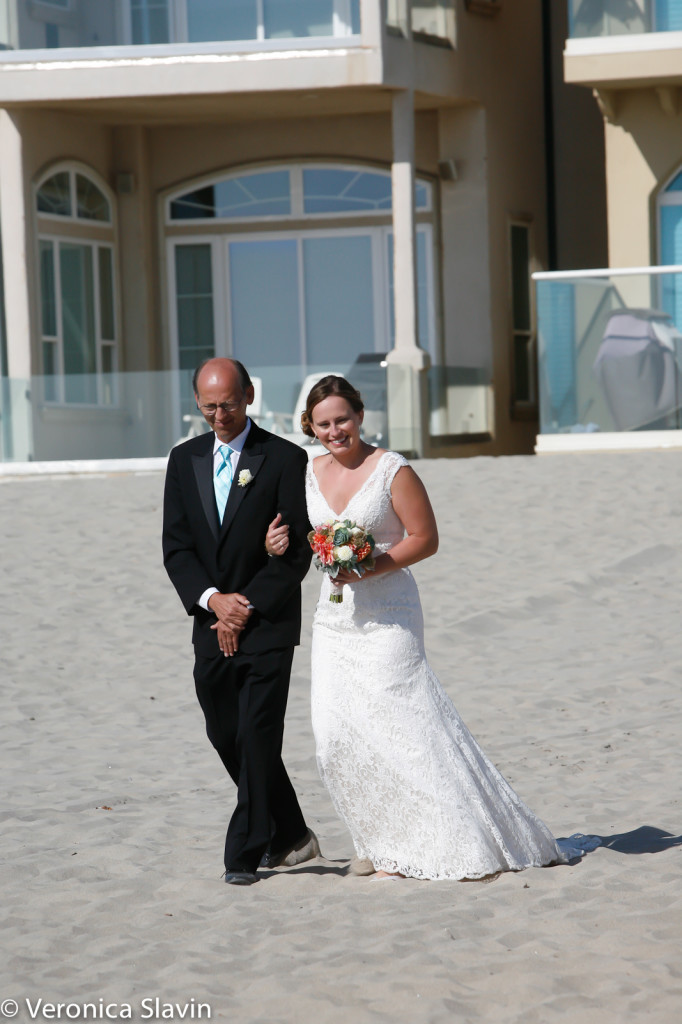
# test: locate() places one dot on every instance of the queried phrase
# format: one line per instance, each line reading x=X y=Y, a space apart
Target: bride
x=417 y=793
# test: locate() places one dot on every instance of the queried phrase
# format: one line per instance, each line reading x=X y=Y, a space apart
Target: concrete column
x=372 y=22
x=13 y=219
x=16 y=413
x=407 y=363
x=140 y=346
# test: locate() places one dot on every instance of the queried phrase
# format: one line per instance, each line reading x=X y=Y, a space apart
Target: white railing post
x=407 y=363
x=373 y=23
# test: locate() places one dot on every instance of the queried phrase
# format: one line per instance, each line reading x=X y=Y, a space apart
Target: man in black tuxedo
x=222 y=491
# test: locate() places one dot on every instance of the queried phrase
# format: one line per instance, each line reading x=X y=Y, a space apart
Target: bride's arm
x=277 y=537
x=413 y=508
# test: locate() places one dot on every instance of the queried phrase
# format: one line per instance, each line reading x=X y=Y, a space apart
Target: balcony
x=115 y=52
x=616 y=44
x=610 y=358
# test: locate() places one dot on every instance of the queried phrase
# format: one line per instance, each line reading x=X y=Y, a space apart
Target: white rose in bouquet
x=343 y=553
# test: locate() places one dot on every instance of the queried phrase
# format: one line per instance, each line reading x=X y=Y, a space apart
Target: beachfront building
x=611 y=342
x=311 y=186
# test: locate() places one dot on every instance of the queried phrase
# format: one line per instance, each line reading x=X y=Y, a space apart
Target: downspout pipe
x=550 y=161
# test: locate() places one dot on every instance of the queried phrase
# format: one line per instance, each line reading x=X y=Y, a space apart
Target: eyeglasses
x=226 y=407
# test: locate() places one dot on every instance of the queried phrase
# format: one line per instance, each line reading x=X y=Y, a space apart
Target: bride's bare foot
x=387 y=874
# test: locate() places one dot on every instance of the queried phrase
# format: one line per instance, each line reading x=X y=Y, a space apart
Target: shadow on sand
x=645 y=839
x=329 y=867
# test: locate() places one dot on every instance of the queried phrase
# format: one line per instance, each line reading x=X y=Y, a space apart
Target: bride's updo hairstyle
x=325 y=388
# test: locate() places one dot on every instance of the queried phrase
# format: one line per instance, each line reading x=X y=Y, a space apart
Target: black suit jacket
x=200 y=553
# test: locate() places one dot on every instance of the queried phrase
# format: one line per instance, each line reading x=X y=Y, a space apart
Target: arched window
x=77 y=287
x=290 y=268
x=670 y=245
x=302 y=190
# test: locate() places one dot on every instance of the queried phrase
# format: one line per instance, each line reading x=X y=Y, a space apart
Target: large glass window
x=290 y=269
x=77 y=290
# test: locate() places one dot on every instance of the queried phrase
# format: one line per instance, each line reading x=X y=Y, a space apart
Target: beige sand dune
x=553 y=615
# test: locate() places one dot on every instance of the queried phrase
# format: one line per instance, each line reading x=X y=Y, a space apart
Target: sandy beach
x=553 y=620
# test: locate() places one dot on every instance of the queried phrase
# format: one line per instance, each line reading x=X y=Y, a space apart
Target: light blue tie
x=222 y=481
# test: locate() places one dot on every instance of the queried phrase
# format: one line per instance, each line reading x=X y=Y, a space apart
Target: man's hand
x=232 y=610
x=228 y=639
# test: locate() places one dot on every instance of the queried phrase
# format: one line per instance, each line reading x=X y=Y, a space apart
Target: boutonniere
x=245 y=477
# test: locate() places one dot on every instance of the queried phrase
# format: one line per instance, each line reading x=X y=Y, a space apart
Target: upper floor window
x=69 y=193
x=300 y=190
x=622 y=17
x=48 y=24
x=77 y=288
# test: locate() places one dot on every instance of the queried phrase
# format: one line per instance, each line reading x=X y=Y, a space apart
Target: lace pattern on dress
x=415 y=790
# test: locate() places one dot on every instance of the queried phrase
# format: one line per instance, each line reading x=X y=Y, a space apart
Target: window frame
x=95 y=235
x=296 y=193
x=73 y=171
x=219 y=244
x=218 y=232
x=100 y=343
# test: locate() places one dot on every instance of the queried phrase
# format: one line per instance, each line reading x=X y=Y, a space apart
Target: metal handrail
x=572 y=275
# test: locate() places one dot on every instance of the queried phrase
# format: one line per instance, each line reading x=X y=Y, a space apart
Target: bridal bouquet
x=341 y=544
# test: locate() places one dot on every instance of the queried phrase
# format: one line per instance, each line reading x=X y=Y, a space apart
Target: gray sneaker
x=305 y=849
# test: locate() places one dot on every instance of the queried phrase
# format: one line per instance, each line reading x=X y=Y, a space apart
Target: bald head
x=223 y=389
x=215 y=364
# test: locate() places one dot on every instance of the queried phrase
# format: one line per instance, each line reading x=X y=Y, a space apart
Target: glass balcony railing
x=272 y=24
x=610 y=350
x=622 y=17
x=58 y=24
x=142 y=415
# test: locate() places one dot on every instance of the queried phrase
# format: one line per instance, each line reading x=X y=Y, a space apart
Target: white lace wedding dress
x=415 y=790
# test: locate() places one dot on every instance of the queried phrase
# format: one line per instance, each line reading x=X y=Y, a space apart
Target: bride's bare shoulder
x=376 y=456
x=318 y=463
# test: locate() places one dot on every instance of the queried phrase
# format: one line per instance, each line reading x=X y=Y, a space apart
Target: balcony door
x=312 y=299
